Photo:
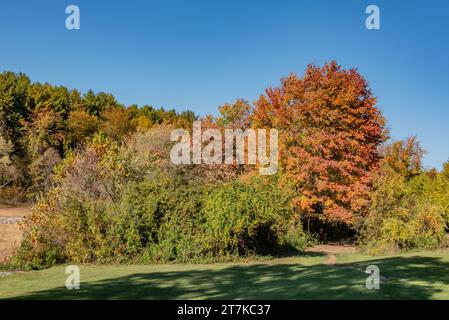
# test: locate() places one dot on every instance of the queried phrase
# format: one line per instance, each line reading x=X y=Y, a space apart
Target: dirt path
x=331 y=249
x=10 y=234
x=22 y=211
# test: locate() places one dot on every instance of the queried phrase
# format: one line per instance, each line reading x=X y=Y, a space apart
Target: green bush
x=251 y=217
x=155 y=220
x=117 y=204
x=168 y=215
x=163 y=220
x=407 y=213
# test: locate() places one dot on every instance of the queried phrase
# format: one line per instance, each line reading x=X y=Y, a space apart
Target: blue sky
x=199 y=54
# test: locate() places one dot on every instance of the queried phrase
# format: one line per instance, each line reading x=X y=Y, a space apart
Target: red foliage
x=330 y=131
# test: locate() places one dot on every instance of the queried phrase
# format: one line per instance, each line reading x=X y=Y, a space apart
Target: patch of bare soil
x=7 y=211
x=331 y=249
x=10 y=234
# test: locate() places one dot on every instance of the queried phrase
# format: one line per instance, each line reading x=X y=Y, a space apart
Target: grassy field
x=418 y=275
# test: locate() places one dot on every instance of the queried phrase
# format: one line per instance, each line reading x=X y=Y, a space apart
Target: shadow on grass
x=401 y=278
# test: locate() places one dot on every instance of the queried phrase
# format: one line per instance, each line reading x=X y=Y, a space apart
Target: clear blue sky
x=199 y=54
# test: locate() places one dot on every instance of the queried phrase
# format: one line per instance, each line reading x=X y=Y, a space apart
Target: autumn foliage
x=105 y=190
x=330 y=134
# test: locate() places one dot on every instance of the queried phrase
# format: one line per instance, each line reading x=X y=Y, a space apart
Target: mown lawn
x=418 y=275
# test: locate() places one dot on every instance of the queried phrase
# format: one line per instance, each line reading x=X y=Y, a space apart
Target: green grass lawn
x=417 y=275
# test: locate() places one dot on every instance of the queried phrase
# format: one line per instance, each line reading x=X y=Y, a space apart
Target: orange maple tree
x=330 y=130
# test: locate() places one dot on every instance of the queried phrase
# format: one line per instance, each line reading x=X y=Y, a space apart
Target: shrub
x=406 y=213
x=174 y=210
x=250 y=217
x=44 y=235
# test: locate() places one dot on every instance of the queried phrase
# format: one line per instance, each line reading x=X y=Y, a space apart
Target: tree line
x=106 y=191
x=40 y=124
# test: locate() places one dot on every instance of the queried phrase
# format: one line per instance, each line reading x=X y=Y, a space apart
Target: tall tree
x=330 y=131
x=404 y=156
x=14 y=107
